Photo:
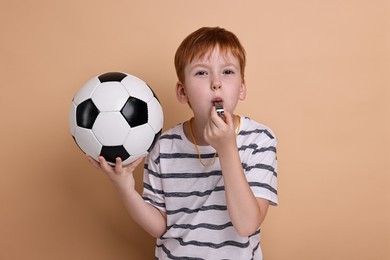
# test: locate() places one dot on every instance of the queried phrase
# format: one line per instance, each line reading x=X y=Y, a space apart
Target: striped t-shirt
x=193 y=197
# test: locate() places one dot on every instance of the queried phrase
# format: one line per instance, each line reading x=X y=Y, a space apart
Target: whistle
x=219 y=109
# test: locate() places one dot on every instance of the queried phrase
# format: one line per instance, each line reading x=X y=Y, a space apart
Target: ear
x=242 y=95
x=181 y=93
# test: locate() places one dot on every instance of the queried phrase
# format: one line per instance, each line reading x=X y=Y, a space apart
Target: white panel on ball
x=111 y=128
x=137 y=88
x=139 y=139
x=134 y=157
x=86 y=91
x=155 y=115
x=72 y=118
x=110 y=96
x=88 y=142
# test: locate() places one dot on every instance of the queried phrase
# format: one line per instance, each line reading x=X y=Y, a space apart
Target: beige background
x=317 y=74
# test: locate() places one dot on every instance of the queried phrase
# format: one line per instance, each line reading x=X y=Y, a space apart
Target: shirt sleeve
x=261 y=170
x=153 y=192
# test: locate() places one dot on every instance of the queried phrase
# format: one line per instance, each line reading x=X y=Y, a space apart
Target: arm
x=144 y=214
x=245 y=210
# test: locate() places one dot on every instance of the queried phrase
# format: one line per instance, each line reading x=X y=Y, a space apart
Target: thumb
x=131 y=167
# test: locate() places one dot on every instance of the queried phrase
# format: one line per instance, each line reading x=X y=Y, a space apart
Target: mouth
x=217 y=102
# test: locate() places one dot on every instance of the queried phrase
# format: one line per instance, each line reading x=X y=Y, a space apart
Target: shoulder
x=168 y=139
x=171 y=143
x=173 y=133
x=250 y=127
x=168 y=136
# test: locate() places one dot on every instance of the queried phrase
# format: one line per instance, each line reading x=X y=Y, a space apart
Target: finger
x=131 y=167
x=137 y=162
x=93 y=162
x=118 y=164
x=229 y=119
x=104 y=165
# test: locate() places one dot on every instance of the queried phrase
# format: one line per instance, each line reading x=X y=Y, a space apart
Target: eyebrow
x=203 y=64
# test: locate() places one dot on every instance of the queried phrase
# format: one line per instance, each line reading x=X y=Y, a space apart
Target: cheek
x=197 y=93
x=234 y=98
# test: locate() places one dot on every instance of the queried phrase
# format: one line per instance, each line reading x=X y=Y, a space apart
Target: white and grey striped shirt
x=193 y=197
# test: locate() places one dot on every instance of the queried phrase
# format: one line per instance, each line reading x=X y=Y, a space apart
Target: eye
x=228 y=71
x=201 y=73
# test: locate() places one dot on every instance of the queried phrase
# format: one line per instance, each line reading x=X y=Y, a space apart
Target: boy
x=209 y=181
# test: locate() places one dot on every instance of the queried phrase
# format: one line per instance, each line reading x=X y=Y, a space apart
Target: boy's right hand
x=121 y=176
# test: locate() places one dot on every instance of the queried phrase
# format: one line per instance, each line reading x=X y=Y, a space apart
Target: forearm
x=147 y=216
x=143 y=213
x=242 y=205
x=245 y=210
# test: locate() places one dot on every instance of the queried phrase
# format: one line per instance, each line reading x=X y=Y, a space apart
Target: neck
x=197 y=128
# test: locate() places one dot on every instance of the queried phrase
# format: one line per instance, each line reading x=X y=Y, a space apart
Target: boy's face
x=216 y=77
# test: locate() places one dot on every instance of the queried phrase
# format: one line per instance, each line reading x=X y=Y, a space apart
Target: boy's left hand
x=219 y=133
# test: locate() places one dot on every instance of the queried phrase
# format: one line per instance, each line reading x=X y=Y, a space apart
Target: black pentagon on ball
x=112 y=76
x=86 y=114
x=110 y=153
x=135 y=111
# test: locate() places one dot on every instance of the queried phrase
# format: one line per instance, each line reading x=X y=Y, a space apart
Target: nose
x=216 y=86
x=215 y=82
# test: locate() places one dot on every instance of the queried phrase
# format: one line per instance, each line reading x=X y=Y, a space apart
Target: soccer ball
x=116 y=115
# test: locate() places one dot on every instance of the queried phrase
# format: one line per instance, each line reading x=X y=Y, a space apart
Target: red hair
x=202 y=42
